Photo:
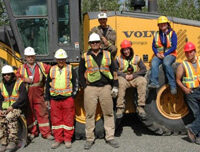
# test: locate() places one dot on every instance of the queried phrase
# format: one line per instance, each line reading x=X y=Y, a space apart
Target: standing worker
x=106 y=33
x=187 y=77
x=34 y=75
x=96 y=76
x=164 y=47
x=61 y=87
x=13 y=97
x=131 y=71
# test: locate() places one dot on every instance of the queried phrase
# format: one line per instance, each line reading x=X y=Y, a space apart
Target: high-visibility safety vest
x=123 y=63
x=160 y=46
x=9 y=100
x=192 y=76
x=93 y=71
x=61 y=81
x=24 y=73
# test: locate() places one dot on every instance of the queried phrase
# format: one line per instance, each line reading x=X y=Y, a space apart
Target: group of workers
x=103 y=77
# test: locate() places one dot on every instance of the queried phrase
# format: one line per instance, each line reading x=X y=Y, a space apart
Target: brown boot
x=68 y=144
x=141 y=112
x=191 y=136
x=11 y=146
x=55 y=145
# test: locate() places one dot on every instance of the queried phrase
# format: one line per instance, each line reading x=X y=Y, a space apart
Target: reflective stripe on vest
x=9 y=100
x=93 y=71
x=159 y=44
x=24 y=73
x=61 y=81
x=123 y=63
x=192 y=77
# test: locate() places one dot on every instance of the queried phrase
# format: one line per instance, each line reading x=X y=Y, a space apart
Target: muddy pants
x=9 y=127
x=38 y=113
x=139 y=83
x=93 y=95
x=62 y=118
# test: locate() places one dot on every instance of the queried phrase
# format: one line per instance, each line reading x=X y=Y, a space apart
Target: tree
x=4 y=18
x=182 y=9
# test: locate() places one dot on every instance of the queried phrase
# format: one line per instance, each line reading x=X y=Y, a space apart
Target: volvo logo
x=138 y=34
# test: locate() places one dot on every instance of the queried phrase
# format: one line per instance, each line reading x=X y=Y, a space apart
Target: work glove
x=114 y=92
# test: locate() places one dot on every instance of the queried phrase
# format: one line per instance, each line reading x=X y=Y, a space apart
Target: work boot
x=49 y=137
x=197 y=141
x=68 y=144
x=113 y=143
x=11 y=146
x=119 y=113
x=153 y=86
x=141 y=112
x=2 y=148
x=31 y=136
x=55 y=145
x=88 y=145
x=191 y=135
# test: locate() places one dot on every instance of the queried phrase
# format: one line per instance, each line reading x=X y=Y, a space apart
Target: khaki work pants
x=93 y=95
x=139 y=83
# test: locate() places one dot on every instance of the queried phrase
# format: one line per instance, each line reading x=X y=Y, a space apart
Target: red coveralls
x=39 y=111
x=62 y=106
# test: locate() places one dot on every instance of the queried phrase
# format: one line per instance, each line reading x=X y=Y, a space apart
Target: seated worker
x=60 y=90
x=13 y=96
x=106 y=33
x=187 y=77
x=164 y=47
x=131 y=71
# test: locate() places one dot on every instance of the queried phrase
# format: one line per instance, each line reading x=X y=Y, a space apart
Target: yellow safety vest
x=9 y=100
x=61 y=81
x=93 y=70
x=192 y=76
x=123 y=63
x=159 y=45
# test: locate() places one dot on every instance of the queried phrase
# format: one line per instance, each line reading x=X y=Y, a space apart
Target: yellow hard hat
x=163 y=19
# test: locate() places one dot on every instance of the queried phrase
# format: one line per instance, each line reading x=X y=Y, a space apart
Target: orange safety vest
x=61 y=81
x=9 y=100
x=159 y=45
x=192 y=76
x=123 y=63
x=93 y=70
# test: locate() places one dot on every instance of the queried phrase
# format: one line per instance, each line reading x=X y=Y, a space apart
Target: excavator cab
x=46 y=26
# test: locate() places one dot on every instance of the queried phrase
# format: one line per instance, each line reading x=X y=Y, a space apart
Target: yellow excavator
x=49 y=25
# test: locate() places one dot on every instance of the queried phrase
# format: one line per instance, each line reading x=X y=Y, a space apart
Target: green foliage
x=188 y=9
x=3 y=18
x=99 y=5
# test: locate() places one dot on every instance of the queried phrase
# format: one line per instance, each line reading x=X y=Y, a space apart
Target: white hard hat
x=7 y=69
x=102 y=15
x=94 y=37
x=29 y=51
x=60 y=54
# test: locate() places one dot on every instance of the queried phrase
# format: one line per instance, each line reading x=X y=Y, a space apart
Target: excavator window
x=63 y=21
x=29 y=7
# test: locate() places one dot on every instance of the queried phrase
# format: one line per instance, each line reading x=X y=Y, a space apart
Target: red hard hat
x=125 y=44
x=189 y=46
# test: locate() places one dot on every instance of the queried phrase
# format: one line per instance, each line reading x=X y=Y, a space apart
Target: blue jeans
x=167 y=67
x=193 y=101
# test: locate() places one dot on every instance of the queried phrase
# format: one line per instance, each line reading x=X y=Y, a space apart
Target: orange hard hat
x=125 y=44
x=189 y=46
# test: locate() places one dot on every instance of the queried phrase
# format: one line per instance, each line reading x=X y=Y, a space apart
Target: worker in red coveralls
x=61 y=87
x=34 y=74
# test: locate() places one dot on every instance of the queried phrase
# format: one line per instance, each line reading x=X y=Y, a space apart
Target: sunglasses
x=9 y=74
x=93 y=42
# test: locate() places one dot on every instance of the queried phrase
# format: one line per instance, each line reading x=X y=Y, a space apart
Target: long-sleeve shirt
x=142 y=70
x=104 y=80
x=60 y=97
x=23 y=97
x=163 y=39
